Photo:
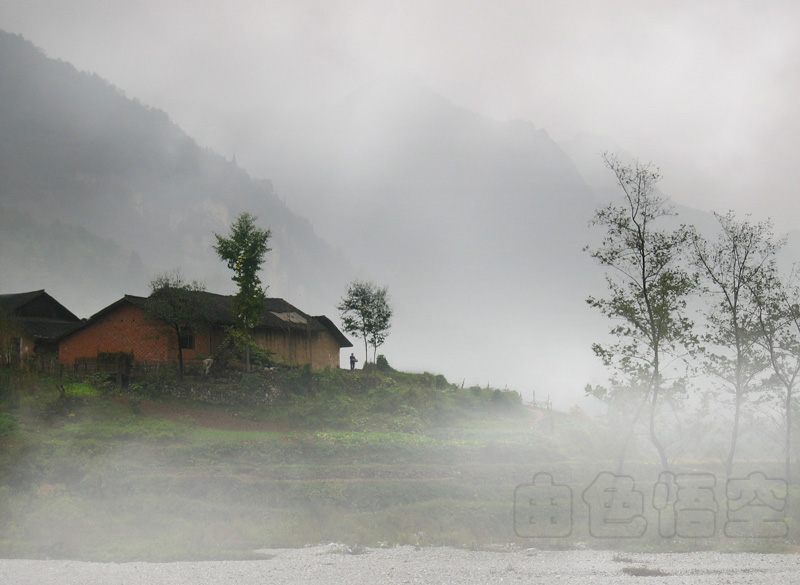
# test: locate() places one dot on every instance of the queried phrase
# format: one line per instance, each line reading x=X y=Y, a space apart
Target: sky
x=705 y=90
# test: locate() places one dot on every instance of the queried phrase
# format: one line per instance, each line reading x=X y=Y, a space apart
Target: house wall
x=292 y=347
x=325 y=352
x=26 y=346
x=29 y=347
x=287 y=346
x=128 y=328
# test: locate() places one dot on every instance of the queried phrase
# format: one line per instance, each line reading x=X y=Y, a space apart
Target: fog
x=705 y=91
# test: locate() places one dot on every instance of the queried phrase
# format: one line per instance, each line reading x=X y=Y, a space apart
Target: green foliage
x=244 y=253
x=383 y=400
x=365 y=310
x=739 y=270
x=7 y=425
x=237 y=345
x=382 y=364
x=109 y=485
x=81 y=390
x=102 y=383
x=647 y=285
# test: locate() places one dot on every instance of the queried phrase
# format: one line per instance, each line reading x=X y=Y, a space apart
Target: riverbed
x=334 y=564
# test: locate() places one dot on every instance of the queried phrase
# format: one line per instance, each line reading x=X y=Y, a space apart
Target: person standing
x=353 y=361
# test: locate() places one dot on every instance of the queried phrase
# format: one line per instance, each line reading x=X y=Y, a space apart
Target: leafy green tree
x=740 y=262
x=648 y=290
x=366 y=312
x=176 y=303
x=244 y=252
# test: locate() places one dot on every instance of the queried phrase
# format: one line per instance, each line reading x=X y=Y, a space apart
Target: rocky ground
x=333 y=564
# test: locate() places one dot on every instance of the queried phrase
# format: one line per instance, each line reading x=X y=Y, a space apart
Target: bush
x=382 y=364
x=232 y=349
x=7 y=425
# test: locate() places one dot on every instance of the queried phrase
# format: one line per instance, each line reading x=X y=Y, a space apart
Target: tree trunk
x=180 y=352
x=624 y=450
x=788 y=439
x=247 y=351
x=653 y=438
x=656 y=386
x=734 y=434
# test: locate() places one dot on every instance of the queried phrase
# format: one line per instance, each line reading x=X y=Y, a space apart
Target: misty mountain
x=475 y=225
x=75 y=150
x=398 y=166
x=34 y=254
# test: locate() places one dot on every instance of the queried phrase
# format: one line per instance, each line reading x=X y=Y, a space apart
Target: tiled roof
x=39 y=315
x=277 y=314
x=12 y=302
x=45 y=329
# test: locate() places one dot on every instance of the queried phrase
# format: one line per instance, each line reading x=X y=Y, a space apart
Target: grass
x=81 y=390
x=396 y=459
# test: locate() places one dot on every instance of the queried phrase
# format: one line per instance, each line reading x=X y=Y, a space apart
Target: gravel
x=332 y=564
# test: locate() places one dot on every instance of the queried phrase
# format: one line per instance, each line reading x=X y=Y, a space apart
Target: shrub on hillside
x=7 y=425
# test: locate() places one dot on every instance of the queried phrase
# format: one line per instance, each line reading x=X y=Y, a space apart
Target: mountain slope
x=73 y=148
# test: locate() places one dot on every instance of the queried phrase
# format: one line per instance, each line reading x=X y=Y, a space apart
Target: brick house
x=34 y=321
x=125 y=326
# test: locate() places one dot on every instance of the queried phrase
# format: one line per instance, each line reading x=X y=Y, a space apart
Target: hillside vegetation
x=91 y=471
x=217 y=469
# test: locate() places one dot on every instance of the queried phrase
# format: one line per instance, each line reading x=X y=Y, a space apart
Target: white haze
x=705 y=90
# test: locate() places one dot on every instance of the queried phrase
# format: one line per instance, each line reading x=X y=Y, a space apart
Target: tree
x=648 y=290
x=777 y=302
x=738 y=263
x=244 y=253
x=177 y=303
x=365 y=311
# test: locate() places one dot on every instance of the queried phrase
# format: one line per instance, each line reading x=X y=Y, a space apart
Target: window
x=186 y=338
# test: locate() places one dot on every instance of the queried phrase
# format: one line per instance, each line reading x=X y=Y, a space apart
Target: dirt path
x=212 y=418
